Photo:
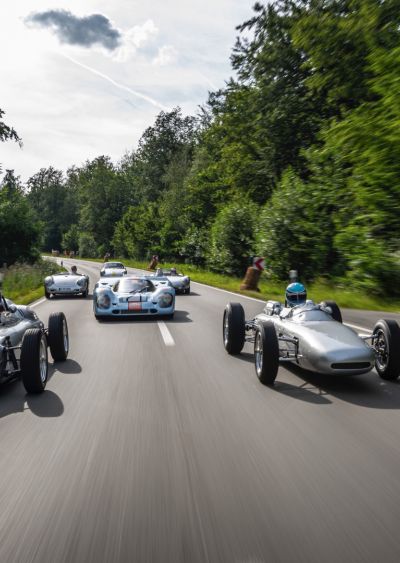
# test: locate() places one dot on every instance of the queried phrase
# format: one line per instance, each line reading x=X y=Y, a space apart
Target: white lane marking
x=359 y=327
x=35 y=303
x=165 y=333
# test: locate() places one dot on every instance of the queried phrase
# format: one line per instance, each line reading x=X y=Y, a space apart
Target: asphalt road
x=151 y=444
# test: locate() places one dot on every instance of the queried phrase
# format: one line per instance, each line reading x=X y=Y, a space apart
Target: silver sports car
x=66 y=283
x=179 y=282
x=313 y=337
x=133 y=296
x=24 y=342
x=116 y=269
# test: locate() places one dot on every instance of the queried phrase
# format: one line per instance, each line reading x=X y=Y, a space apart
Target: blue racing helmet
x=296 y=294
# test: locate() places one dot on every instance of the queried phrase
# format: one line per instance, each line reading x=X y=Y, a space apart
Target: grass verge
x=23 y=283
x=320 y=290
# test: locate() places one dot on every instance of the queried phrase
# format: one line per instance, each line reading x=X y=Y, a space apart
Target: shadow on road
x=14 y=399
x=179 y=317
x=367 y=390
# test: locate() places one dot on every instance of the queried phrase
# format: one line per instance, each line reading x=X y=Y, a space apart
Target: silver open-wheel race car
x=313 y=337
x=23 y=344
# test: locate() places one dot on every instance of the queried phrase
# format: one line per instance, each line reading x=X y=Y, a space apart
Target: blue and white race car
x=132 y=296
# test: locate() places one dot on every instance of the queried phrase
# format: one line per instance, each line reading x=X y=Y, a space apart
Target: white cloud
x=134 y=39
x=166 y=55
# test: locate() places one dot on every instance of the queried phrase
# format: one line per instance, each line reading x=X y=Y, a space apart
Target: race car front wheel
x=266 y=352
x=233 y=328
x=34 y=360
x=58 y=337
x=386 y=343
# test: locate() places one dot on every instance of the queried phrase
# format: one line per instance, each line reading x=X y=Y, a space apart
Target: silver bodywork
x=116 y=269
x=311 y=338
x=14 y=322
x=179 y=282
x=66 y=283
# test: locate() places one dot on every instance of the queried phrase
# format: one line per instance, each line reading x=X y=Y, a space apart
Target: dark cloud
x=84 y=31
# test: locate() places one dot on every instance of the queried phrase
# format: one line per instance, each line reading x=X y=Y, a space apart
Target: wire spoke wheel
x=258 y=354
x=381 y=349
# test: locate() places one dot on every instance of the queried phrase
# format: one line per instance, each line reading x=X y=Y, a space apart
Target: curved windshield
x=113 y=265
x=133 y=285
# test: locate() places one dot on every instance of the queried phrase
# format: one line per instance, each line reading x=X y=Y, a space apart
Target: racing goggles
x=296 y=298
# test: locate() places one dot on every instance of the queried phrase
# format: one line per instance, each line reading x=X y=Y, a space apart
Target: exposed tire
x=58 y=337
x=47 y=294
x=266 y=352
x=34 y=360
x=387 y=348
x=336 y=312
x=85 y=293
x=233 y=328
x=186 y=291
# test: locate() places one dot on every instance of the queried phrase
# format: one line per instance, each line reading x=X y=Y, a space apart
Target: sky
x=83 y=79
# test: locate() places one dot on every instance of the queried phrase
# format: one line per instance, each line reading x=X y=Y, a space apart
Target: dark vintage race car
x=24 y=341
x=313 y=337
x=178 y=281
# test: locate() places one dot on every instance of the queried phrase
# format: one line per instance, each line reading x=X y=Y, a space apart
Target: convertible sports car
x=313 y=337
x=179 y=282
x=66 y=283
x=133 y=296
x=24 y=342
x=113 y=269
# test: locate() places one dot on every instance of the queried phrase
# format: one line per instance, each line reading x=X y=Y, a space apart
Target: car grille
x=141 y=312
x=351 y=365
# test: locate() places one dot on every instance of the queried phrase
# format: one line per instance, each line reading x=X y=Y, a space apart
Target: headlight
x=81 y=282
x=103 y=300
x=49 y=280
x=165 y=300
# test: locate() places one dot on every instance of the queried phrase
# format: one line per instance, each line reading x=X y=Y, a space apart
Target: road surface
x=151 y=444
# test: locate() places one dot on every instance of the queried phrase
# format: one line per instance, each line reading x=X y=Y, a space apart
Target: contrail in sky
x=120 y=86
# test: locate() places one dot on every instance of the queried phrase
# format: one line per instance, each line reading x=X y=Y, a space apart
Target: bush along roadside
x=23 y=283
x=320 y=290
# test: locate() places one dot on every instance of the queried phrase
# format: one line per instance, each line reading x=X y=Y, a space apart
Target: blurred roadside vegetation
x=318 y=290
x=23 y=283
x=296 y=159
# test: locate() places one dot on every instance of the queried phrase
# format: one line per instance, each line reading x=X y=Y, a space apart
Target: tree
x=232 y=237
x=20 y=230
x=8 y=133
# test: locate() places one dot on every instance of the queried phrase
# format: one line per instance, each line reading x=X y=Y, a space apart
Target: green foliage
x=52 y=199
x=88 y=245
x=8 y=133
x=136 y=234
x=21 y=280
x=20 y=230
x=232 y=239
x=70 y=239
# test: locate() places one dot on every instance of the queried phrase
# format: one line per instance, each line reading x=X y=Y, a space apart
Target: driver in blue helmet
x=296 y=294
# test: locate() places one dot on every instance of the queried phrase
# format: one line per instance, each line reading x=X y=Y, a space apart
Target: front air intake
x=351 y=365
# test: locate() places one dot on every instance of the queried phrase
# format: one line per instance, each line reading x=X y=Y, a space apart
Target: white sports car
x=66 y=283
x=116 y=269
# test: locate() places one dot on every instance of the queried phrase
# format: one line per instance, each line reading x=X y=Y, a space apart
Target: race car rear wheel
x=386 y=343
x=266 y=352
x=233 y=328
x=34 y=360
x=336 y=313
x=58 y=337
